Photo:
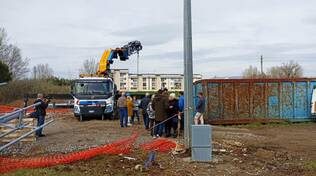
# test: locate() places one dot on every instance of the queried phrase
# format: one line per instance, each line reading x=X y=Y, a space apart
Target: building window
x=134 y=83
x=177 y=84
x=153 y=83
x=144 y=84
x=163 y=83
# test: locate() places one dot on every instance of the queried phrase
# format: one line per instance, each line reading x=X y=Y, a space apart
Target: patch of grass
x=254 y=125
x=259 y=124
x=311 y=165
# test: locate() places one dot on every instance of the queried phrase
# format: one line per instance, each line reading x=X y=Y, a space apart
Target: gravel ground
x=66 y=134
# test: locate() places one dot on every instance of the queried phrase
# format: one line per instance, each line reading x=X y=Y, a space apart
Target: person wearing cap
x=122 y=105
x=143 y=105
x=173 y=111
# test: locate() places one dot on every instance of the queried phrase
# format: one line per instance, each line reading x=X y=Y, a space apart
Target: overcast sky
x=228 y=35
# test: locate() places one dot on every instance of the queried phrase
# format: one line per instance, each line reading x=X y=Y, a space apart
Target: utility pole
x=137 y=71
x=137 y=64
x=261 y=60
x=188 y=73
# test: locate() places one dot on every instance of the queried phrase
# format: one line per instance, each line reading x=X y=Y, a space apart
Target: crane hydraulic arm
x=122 y=53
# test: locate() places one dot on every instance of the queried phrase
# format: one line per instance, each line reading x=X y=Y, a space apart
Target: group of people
x=128 y=110
x=161 y=112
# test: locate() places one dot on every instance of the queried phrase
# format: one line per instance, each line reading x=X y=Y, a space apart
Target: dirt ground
x=283 y=149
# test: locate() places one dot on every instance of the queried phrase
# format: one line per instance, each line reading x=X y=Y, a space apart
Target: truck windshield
x=93 y=88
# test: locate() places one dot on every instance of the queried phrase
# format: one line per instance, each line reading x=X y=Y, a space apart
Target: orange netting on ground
x=123 y=146
x=160 y=145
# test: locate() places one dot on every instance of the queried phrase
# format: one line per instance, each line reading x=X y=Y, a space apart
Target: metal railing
x=18 y=114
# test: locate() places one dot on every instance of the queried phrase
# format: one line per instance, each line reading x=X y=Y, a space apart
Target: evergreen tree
x=5 y=74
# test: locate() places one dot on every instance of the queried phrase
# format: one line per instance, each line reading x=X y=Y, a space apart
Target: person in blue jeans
x=135 y=109
x=40 y=113
x=159 y=129
x=122 y=105
x=143 y=105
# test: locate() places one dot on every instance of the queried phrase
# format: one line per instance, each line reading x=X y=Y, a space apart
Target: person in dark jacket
x=143 y=105
x=160 y=106
x=173 y=111
x=40 y=111
x=200 y=108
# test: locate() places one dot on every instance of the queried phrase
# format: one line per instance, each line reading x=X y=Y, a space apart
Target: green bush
x=15 y=90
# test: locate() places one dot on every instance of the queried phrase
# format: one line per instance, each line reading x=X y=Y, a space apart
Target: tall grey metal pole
x=137 y=71
x=188 y=73
x=137 y=64
x=261 y=65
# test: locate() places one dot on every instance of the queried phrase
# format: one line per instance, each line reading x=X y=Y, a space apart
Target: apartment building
x=126 y=81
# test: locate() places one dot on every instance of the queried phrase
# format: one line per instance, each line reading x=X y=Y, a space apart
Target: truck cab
x=93 y=97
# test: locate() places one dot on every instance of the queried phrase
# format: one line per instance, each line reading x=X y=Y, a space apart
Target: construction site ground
x=273 y=149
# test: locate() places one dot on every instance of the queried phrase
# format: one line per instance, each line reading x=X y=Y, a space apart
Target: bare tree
x=3 y=40
x=251 y=72
x=290 y=69
x=274 y=72
x=42 y=71
x=11 y=56
x=89 y=66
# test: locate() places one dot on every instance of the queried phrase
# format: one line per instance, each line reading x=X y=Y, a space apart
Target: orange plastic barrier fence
x=6 y=109
x=122 y=146
x=160 y=145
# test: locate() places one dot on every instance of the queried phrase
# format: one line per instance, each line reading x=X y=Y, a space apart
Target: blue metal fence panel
x=273 y=100
x=257 y=98
x=287 y=100
x=301 y=100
